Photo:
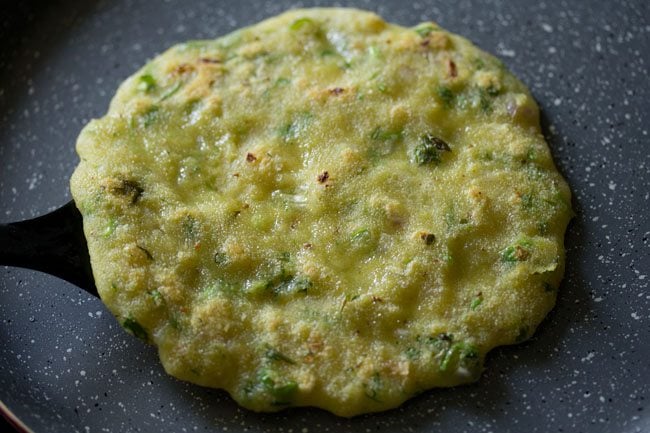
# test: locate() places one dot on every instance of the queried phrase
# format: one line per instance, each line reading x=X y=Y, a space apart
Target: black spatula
x=53 y=243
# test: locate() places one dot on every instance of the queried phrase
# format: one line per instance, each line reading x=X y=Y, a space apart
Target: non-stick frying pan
x=65 y=365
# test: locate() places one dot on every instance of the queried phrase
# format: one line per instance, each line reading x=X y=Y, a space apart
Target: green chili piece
x=282 y=392
x=110 y=228
x=412 y=353
x=476 y=302
x=146 y=83
x=157 y=297
x=424 y=30
x=380 y=134
x=523 y=334
x=429 y=149
x=300 y=23
x=136 y=329
x=446 y=95
x=147 y=118
x=171 y=91
x=518 y=252
x=548 y=287
x=275 y=355
x=373 y=387
x=360 y=236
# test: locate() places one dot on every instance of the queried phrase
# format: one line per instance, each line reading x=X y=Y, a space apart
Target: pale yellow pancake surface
x=323 y=209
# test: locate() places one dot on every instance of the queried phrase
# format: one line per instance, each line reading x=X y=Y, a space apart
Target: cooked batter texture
x=324 y=209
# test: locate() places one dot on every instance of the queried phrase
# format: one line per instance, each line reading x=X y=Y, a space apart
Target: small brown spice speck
x=250 y=157
x=182 y=68
x=452 y=71
x=428 y=238
x=209 y=60
x=323 y=177
x=521 y=254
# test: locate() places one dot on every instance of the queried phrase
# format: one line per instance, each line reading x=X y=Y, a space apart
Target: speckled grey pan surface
x=66 y=366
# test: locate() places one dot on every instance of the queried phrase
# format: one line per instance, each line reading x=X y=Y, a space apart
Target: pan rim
x=13 y=419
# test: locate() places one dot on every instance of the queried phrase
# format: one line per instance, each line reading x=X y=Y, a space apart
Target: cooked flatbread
x=324 y=209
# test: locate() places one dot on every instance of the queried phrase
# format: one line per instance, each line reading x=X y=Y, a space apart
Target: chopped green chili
x=380 y=134
x=429 y=149
x=478 y=63
x=171 y=91
x=147 y=118
x=412 y=353
x=190 y=228
x=146 y=83
x=465 y=354
x=110 y=228
x=220 y=258
x=281 y=391
x=518 y=252
x=523 y=334
x=360 y=236
x=275 y=355
x=446 y=95
x=374 y=51
x=300 y=23
x=527 y=201
x=548 y=287
x=218 y=286
x=542 y=227
x=373 y=387
x=295 y=284
x=476 y=302
x=158 y=298
x=135 y=328
x=424 y=30
x=290 y=130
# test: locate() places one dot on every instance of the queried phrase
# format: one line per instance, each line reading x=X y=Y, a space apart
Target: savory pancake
x=324 y=209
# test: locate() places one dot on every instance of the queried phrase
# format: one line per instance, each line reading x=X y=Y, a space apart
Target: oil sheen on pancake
x=324 y=209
